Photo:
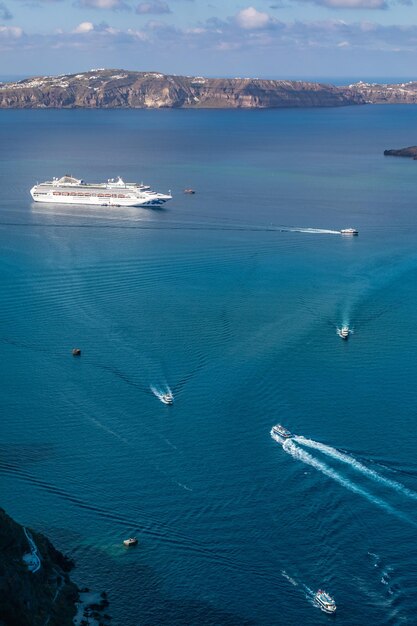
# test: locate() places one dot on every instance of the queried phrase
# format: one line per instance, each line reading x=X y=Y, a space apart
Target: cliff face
x=124 y=89
x=35 y=588
x=373 y=93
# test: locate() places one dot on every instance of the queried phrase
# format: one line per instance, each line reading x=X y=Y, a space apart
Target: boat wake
x=314 y=231
x=291 y=448
x=308 y=593
x=161 y=394
x=357 y=466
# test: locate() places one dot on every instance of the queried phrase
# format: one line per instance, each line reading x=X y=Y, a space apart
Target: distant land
x=107 y=89
x=410 y=152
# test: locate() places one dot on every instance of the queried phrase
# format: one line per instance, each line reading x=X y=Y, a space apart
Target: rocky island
x=104 y=88
x=108 y=89
x=410 y=152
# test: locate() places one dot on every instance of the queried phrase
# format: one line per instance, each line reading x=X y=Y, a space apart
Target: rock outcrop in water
x=411 y=151
x=125 y=89
x=32 y=596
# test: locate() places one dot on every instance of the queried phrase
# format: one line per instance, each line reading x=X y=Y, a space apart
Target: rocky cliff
x=125 y=89
x=35 y=588
x=374 y=93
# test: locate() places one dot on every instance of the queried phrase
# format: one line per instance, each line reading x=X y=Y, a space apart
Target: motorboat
x=189 y=191
x=281 y=431
x=167 y=398
x=325 y=601
x=132 y=541
x=349 y=231
x=343 y=332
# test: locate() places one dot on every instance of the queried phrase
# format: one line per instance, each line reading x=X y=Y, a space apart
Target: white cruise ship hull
x=115 y=192
x=72 y=197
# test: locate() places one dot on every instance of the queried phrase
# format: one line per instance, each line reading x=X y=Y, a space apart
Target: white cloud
x=84 y=27
x=252 y=19
x=10 y=32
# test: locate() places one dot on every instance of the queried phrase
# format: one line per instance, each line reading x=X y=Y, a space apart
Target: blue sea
x=231 y=298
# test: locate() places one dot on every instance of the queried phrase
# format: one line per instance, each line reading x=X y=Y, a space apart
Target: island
x=410 y=152
x=117 y=88
x=107 y=89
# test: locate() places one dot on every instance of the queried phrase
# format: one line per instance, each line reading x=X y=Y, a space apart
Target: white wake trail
x=159 y=393
x=314 y=231
x=357 y=465
x=302 y=455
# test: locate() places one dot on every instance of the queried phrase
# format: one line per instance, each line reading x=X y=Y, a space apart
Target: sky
x=356 y=39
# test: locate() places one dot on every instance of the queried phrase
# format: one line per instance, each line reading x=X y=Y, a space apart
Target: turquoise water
x=225 y=298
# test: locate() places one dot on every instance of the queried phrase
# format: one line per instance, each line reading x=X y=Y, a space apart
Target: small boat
x=189 y=191
x=349 y=231
x=343 y=332
x=132 y=541
x=325 y=601
x=167 y=398
x=281 y=431
x=76 y=352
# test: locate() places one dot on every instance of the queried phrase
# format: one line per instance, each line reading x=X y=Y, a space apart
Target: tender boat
x=343 y=332
x=325 y=601
x=281 y=431
x=132 y=541
x=167 y=398
x=349 y=231
x=189 y=191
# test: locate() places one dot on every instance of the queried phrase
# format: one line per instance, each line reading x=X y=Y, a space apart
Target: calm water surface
x=228 y=300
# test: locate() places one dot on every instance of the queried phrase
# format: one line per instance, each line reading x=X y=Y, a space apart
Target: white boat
x=114 y=193
x=132 y=541
x=349 y=231
x=281 y=431
x=325 y=601
x=343 y=332
x=167 y=398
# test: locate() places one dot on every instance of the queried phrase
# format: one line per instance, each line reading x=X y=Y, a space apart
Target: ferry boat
x=281 y=431
x=325 y=601
x=349 y=231
x=167 y=398
x=115 y=192
x=343 y=332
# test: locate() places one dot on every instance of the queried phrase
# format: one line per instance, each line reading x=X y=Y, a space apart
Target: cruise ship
x=115 y=192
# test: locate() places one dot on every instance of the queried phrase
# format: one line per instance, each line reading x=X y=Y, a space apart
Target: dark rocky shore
x=29 y=598
x=35 y=587
x=410 y=152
